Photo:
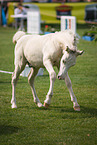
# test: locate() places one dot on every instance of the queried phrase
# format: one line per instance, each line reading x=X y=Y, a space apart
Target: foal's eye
x=64 y=61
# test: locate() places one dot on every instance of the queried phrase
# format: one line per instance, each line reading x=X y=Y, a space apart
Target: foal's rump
x=17 y=36
x=20 y=39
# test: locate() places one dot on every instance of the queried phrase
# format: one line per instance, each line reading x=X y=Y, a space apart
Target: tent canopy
x=91 y=13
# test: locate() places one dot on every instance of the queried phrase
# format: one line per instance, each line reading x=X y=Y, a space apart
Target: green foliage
x=92 y=32
x=60 y=124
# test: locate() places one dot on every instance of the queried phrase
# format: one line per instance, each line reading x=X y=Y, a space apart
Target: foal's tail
x=17 y=36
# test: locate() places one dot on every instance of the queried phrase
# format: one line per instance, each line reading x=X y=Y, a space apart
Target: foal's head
x=68 y=60
x=70 y=53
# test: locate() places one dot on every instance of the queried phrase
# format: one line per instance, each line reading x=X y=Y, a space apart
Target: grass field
x=60 y=124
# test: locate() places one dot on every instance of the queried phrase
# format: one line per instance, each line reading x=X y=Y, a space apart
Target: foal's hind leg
x=31 y=78
x=15 y=77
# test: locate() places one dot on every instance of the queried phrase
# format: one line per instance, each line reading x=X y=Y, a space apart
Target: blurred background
x=51 y=10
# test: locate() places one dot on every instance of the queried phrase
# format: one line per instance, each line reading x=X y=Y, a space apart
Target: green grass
x=60 y=124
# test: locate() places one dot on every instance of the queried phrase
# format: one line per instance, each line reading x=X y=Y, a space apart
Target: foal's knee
x=14 y=80
x=30 y=80
x=53 y=76
x=68 y=83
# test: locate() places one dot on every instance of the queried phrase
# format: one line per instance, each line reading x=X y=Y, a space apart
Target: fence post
x=33 y=22
x=68 y=22
x=0 y=13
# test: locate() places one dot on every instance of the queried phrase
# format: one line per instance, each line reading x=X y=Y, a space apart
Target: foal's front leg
x=31 y=78
x=73 y=98
x=52 y=74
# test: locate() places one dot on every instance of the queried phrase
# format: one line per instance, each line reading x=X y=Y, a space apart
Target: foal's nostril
x=59 y=77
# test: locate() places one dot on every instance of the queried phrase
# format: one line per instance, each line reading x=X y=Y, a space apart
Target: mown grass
x=60 y=124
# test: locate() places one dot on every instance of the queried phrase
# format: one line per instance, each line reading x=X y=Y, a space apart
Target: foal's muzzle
x=60 y=77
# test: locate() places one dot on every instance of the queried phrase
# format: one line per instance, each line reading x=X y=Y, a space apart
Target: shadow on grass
x=3 y=82
x=88 y=112
x=91 y=112
x=34 y=107
x=62 y=109
x=8 y=129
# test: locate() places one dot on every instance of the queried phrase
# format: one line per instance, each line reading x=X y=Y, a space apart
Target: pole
x=0 y=14
x=1 y=3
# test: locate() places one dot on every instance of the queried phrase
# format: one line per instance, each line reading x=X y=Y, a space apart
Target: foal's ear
x=69 y=50
x=78 y=52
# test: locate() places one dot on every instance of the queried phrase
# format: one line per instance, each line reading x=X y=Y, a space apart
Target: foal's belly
x=34 y=56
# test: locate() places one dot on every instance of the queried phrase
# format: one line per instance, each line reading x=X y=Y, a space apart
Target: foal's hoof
x=13 y=106
x=39 y=105
x=46 y=105
x=76 y=108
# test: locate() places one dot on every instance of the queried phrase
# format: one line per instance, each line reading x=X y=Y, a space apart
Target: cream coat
x=56 y=49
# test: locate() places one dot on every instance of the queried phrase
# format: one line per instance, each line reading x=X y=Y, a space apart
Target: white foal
x=57 y=49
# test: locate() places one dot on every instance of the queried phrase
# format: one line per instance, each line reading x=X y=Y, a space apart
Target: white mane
x=67 y=38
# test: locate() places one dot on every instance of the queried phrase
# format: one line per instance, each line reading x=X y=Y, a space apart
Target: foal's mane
x=67 y=38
